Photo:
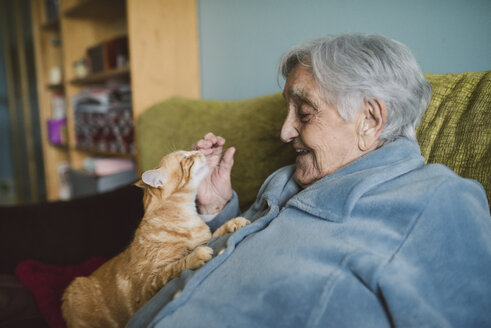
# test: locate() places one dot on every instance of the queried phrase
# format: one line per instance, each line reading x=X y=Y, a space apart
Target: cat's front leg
x=231 y=226
x=194 y=260
x=198 y=257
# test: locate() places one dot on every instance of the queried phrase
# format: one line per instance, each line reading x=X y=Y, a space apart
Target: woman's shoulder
x=438 y=182
x=439 y=175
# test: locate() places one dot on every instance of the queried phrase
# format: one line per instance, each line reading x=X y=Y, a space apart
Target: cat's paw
x=237 y=223
x=199 y=256
x=231 y=226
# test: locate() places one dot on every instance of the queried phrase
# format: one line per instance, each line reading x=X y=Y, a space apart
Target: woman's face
x=323 y=140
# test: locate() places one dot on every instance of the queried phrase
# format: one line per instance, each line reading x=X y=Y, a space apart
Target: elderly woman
x=359 y=232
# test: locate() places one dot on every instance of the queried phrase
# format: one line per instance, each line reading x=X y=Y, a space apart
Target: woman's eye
x=304 y=112
x=304 y=117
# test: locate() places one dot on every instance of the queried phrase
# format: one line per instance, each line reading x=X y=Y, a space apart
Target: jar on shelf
x=55 y=75
x=80 y=68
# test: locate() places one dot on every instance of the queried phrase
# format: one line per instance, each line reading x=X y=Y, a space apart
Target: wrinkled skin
x=323 y=140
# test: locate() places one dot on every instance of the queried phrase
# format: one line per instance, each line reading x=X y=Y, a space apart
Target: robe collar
x=334 y=196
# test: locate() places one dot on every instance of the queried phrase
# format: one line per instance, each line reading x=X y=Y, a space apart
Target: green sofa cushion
x=456 y=128
x=454 y=131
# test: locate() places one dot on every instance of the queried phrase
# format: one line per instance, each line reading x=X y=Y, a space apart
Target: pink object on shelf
x=107 y=166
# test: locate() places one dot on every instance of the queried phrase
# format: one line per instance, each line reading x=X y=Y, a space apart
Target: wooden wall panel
x=164 y=50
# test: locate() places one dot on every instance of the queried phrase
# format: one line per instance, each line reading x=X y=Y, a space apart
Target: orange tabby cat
x=168 y=240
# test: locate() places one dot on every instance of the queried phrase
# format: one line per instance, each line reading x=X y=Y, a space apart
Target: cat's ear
x=139 y=184
x=154 y=178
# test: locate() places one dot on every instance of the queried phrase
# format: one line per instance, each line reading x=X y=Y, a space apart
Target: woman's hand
x=216 y=189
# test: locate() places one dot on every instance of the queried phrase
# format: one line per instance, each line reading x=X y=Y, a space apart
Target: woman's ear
x=372 y=122
x=154 y=178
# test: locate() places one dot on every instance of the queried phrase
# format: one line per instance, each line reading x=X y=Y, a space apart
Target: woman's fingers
x=206 y=151
x=220 y=141
x=208 y=141
x=215 y=140
x=228 y=160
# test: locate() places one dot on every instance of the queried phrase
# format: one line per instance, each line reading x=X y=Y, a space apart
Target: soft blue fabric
x=385 y=241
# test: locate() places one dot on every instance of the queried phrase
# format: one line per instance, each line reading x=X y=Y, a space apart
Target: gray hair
x=352 y=68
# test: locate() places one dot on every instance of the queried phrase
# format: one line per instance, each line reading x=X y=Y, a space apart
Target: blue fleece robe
x=384 y=241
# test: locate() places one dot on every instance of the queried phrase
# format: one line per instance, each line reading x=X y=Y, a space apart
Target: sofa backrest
x=456 y=128
x=252 y=126
x=455 y=131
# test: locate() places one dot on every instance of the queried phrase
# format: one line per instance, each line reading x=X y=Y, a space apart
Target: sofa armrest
x=67 y=233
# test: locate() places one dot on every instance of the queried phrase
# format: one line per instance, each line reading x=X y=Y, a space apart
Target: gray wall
x=241 y=41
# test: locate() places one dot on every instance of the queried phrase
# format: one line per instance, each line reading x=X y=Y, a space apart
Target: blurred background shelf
x=96 y=9
x=101 y=77
x=51 y=25
x=162 y=61
x=97 y=152
x=56 y=87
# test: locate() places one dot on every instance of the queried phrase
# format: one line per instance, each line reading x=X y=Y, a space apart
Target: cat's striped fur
x=168 y=240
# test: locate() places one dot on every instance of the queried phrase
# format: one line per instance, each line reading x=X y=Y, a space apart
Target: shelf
x=106 y=153
x=56 y=87
x=96 y=9
x=153 y=27
x=51 y=25
x=63 y=146
x=123 y=72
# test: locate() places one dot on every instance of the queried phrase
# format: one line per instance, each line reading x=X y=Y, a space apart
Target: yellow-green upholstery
x=455 y=131
x=252 y=126
x=456 y=128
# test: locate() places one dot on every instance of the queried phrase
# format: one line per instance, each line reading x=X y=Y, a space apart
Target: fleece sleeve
x=230 y=211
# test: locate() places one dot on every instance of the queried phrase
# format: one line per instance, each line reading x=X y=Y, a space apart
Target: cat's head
x=180 y=171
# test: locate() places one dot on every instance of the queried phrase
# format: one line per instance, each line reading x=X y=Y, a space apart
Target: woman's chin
x=303 y=178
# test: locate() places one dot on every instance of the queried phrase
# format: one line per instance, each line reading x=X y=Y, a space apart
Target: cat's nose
x=197 y=154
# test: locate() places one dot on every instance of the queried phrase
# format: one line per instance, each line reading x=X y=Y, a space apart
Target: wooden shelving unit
x=163 y=51
x=96 y=9
x=48 y=55
x=52 y=24
x=56 y=87
x=118 y=73
x=104 y=153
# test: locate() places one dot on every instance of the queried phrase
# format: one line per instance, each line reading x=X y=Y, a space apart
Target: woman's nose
x=289 y=130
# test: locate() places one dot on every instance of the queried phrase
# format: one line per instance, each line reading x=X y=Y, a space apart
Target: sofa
x=42 y=244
